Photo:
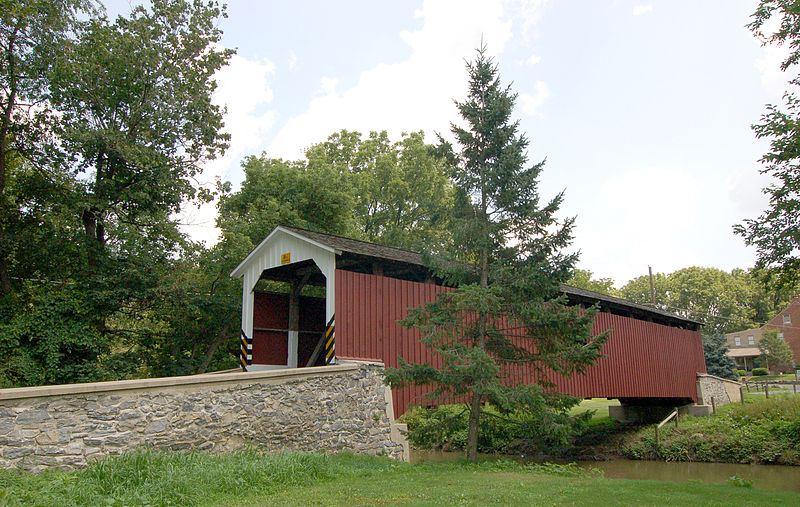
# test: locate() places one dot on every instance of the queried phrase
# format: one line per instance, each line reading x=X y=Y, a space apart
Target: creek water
x=776 y=477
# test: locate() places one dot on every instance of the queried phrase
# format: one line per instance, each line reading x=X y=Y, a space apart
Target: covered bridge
x=342 y=298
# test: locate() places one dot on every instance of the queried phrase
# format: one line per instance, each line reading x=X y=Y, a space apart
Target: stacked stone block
x=333 y=408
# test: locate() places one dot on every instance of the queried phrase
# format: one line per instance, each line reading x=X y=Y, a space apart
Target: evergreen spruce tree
x=509 y=244
x=718 y=362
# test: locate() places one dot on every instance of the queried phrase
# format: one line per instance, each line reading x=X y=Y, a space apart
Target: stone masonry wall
x=723 y=391
x=331 y=408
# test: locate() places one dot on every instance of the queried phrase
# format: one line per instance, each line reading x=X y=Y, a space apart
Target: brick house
x=743 y=345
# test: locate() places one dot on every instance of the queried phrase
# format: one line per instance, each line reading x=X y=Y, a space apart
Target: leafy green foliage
x=775 y=351
x=760 y=372
x=775 y=232
x=725 y=302
x=715 y=348
x=740 y=482
x=137 y=117
x=394 y=193
x=542 y=430
x=762 y=431
x=512 y=315
x=33 y=33
x=52 y=339
x=104 y=282
x=193 y=321
x=401 y=190
x=290 y=193
x=584 y=279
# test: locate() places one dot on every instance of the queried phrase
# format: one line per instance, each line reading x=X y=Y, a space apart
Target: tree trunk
x=475 y=407
x=474 y=421
x=221 y=337
x=5 y=127
x=95 y=233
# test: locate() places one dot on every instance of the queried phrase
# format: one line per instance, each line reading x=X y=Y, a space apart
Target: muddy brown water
x=775 y=477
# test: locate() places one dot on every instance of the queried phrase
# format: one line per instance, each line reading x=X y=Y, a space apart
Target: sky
x=641 y=109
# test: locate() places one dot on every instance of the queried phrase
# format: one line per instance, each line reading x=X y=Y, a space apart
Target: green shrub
x=760 y=372
x=445 y=427
x=741 y=373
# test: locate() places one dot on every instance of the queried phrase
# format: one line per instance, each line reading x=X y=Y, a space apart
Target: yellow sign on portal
x=286 y=258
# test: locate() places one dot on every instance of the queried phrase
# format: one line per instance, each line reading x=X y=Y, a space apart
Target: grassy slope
x=151 y=478
x=760 y=431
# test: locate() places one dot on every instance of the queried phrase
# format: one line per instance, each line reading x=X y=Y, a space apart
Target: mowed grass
x=250 y=478
x=761 y=378
x=598 y=405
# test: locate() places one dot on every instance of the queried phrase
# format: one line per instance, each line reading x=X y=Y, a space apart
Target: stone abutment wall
x=345 y=407
x=723 y=391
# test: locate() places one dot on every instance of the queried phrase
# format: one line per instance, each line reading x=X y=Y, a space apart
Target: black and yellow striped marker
x=246 y=352
x=330 y=342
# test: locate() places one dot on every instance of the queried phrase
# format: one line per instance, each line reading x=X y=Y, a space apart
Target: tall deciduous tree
x=33 y=34
x=401 y=190
x=725 y=301
x=137 y=114
x=276 y=191
x=514 y=243
x=584 y=279
x=775 y=233
x=395 y=193
x=134 y=122
x=775 y=351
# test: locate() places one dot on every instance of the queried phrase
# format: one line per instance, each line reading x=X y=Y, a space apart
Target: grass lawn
x=248 y=478
x=761 y=378
x=783 y=389
x=599 y=405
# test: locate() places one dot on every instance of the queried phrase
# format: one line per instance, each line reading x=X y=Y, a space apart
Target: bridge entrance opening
x=289 y=317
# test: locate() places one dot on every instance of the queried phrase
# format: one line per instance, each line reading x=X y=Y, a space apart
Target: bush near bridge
x=445 y=427
x=761 y=431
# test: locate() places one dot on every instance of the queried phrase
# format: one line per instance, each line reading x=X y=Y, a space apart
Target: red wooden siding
x=643 y=359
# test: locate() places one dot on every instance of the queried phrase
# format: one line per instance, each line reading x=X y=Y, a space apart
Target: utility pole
x=652 y=287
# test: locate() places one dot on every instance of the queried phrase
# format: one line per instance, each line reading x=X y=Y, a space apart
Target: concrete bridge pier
x=652 y=410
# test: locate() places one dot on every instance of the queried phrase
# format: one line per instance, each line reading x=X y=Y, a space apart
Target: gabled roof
x=340 y=245
x=611 y=302
x=238 y=272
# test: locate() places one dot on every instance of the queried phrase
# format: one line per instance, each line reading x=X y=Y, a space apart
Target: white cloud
x=416 y=93
x=532 y=60
x=745 y=193
x=243 y=87
x=646 y=217
x=528 y=12
x=292 y=60
x=532 y=102
x=328 y=86
x=642 y=9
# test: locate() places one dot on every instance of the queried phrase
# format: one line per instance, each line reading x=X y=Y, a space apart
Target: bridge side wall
x=330 y=408
x=642 y=359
